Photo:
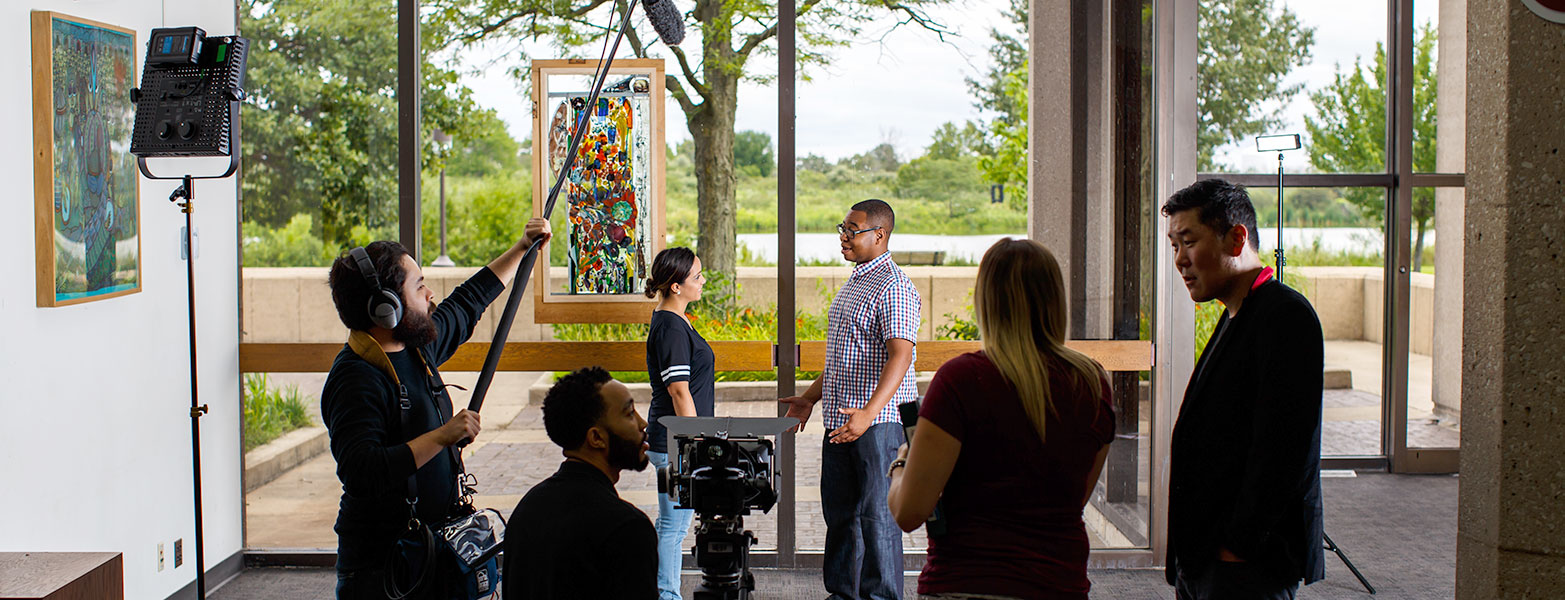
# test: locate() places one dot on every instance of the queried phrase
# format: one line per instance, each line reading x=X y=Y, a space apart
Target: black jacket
x=360 y=410
x=1245 y=459
x=572 y=538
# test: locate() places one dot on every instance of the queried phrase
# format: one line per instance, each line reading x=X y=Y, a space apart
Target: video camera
x=722 y=468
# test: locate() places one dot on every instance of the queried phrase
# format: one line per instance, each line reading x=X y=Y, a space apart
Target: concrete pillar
x=1099 y=239
x=1450 y=156
x=1056 y=174
x=1510 y=537
x=1070 y=171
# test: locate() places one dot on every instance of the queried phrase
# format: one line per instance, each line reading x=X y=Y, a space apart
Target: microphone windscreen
x=666 y=19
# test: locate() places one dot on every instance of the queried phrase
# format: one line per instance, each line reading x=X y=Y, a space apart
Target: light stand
x=1281 y=144
x=444 y=260
x=1278 y=144
x=188 y=80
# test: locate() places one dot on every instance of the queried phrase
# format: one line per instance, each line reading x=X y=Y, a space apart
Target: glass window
x=1334 y=250
x=1434 y=360
x=1315 y=68
x=319 y=176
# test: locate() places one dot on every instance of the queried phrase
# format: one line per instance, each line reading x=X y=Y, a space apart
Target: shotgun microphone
x=666 y=19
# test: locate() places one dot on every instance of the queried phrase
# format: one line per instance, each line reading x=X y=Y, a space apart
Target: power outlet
x=160 y=557
x=179 y=552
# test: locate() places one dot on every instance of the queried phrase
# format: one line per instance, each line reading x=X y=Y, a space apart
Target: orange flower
x=691 y=316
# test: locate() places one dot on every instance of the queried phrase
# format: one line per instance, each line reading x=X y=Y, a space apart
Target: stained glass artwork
x=606 y=192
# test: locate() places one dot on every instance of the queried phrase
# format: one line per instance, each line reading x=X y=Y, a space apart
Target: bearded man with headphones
x=386 y=411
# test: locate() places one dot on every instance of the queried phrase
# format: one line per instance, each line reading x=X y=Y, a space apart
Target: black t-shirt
x=359 y=406
x=573 y=537
x=676 y=352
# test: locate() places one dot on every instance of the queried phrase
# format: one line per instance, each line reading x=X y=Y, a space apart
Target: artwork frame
x=86 y=186
x=569 y=301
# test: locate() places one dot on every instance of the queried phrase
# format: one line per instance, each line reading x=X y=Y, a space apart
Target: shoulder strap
x=368 y=349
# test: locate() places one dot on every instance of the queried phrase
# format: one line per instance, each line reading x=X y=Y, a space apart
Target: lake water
x=824 y=246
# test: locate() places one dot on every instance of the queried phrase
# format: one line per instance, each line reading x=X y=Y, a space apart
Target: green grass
x=270 y=412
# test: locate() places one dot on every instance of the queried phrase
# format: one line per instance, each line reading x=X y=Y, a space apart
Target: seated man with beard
x=386 y=410
x=572 y=536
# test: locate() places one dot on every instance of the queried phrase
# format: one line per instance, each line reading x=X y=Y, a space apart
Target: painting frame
x=549 y=304
x=100 y=140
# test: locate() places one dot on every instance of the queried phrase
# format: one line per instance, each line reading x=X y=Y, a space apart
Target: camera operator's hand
x=799 y=408
x=463 y=425
x=858 y=423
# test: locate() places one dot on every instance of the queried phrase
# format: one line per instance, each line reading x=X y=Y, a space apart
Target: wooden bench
x=62 y=575
x=919 y=257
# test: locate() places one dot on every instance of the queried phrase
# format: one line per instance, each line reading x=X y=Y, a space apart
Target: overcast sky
x=900 y=89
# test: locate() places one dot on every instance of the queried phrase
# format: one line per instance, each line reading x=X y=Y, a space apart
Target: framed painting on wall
x=609 y=215
x=86 y=188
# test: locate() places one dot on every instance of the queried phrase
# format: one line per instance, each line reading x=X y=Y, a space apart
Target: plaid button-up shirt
x=877 y=303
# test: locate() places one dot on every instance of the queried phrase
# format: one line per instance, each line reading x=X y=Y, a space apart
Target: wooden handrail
x=1114 y=355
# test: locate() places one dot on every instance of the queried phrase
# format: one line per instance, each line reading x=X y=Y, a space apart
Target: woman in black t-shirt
x=679 y=363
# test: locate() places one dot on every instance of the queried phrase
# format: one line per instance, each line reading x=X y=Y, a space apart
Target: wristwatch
x=901 y=462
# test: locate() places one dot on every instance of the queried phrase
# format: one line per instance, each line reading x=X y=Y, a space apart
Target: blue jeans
x=863 y=542
x=672 y=526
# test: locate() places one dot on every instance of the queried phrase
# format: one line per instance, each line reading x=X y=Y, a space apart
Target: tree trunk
x=712 y=130
x=713 y=133
x=1418 y=247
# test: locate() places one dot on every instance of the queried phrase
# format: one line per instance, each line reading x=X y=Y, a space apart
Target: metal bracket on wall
x=775 y=355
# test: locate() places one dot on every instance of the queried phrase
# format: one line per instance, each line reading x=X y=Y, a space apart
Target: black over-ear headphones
x=384 y=306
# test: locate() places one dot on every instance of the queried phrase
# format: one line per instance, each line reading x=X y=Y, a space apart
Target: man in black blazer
x=1244 y=514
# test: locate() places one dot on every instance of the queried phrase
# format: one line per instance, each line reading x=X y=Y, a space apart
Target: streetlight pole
x=444 y=260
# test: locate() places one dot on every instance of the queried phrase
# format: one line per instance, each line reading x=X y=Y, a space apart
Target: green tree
x=321 y=118
x=814 y=162
x=707 y=90
x=1348 y=131
x=952 y=181
x=494 y=152
x=1007 y=165
x=1246 y=48
x=951 y=142
x=753 y=153
x=882 y=157
x=1008 y=54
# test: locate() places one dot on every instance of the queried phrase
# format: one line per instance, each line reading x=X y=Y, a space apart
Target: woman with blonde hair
x=1010 y=441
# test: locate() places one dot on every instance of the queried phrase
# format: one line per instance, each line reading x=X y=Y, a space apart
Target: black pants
x=1231 y=581
x=367 y=584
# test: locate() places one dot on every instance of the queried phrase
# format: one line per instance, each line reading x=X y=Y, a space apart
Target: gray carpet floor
x=1400 y=530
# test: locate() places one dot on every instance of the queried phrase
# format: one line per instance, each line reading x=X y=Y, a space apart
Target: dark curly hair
x=351 y=294
x=573 y=406
x=671 y=266
x=1221 y=204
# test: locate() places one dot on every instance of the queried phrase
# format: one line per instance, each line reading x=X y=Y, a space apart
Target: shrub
x=270 y=412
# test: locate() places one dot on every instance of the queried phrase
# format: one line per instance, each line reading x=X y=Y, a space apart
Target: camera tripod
x=722 y=551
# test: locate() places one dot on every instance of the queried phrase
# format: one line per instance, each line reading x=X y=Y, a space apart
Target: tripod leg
x=1332 y=546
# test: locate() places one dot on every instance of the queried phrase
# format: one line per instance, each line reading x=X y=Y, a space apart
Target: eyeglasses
x=849 y=233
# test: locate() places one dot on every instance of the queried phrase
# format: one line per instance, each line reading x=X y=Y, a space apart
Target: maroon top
x=1013 y=502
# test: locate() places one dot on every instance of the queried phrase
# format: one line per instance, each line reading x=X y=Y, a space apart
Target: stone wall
x=294 y=305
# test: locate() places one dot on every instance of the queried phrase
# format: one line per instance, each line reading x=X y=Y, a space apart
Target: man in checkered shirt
x=871 y=331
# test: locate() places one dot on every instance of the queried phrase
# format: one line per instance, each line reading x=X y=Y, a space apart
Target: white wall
x=95 y=434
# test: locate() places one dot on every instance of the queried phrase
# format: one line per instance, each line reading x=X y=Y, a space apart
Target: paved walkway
x=1400 y=530
x=513 y=453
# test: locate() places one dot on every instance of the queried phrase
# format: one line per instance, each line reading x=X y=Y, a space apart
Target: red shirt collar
x=1265 y=276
